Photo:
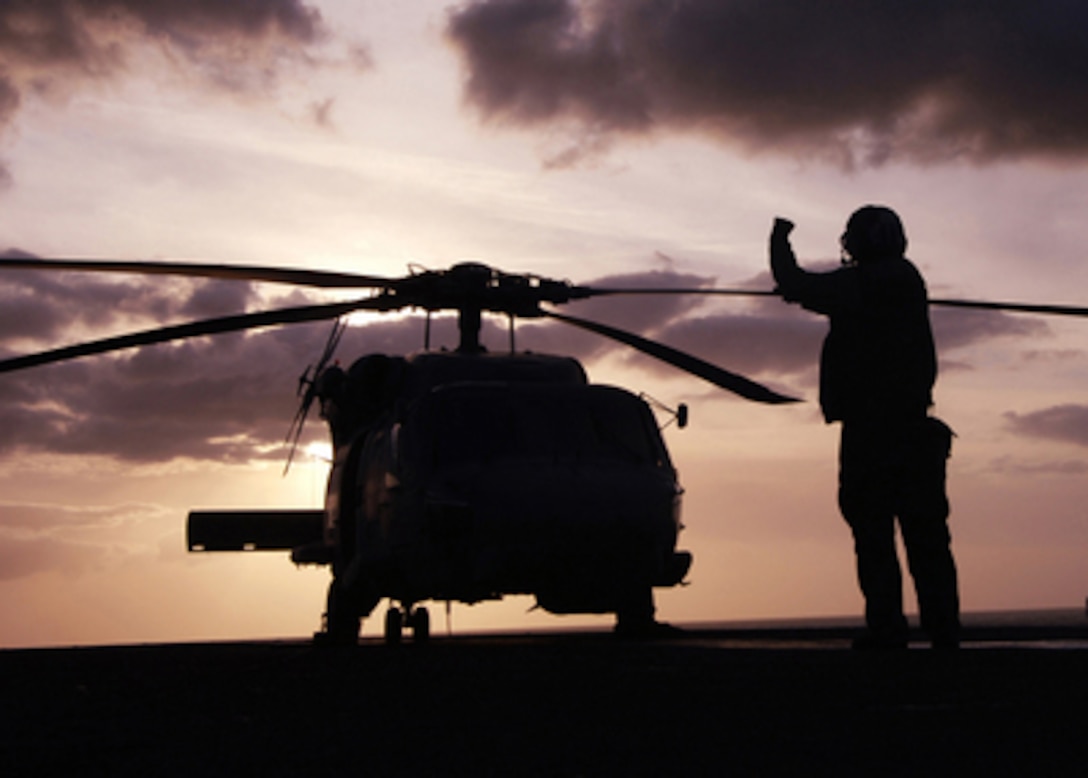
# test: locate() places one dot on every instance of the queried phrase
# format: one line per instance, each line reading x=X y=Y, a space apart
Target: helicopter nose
x=675 y=569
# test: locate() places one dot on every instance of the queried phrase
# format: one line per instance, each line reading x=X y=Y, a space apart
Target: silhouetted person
x=877 y=371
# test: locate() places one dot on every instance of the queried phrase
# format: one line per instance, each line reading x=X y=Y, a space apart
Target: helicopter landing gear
x=342 y=619
x=418 y=621
x=394 y=624
x=420 y=624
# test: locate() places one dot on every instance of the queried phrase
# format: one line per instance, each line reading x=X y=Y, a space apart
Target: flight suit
x=877 y=369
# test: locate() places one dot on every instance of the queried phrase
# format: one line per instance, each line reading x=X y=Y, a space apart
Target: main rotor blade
x=723 y=378
x=236 y=323
x=1057 y=310
x=581 y=292
x=316 y=278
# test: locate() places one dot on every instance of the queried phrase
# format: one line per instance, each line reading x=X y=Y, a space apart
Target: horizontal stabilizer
x=254 y=530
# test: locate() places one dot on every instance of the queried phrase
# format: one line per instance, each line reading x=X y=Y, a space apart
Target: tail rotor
x=307 y=389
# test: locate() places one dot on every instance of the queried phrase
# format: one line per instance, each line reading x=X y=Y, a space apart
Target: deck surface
x=743 y=701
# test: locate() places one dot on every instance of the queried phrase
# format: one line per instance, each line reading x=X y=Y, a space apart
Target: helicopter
x=463 y=475
x=459 y=475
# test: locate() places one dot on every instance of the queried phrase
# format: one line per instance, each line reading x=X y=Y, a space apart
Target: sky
x=601 y=141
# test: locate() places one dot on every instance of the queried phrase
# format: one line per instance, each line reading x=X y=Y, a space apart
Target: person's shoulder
x=910 y=266
x=897 y=269
x=904 y=277
x=915 y=274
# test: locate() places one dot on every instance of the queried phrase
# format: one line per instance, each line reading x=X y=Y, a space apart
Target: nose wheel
x=418 y=620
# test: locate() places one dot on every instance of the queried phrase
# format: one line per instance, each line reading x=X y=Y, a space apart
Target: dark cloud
x=757 y=336
x=231 y=397
x=773 y=340
x=220 y=400
x=216 y=398
x=956 y=328
x=228 y=397
x=46 y=40
x=38 y=306
x=861 y=82
x=51 y=47
x=1066 y=423
x=758 y=345
x=225 y=398
x=638 y=310
x=637 y=313
x=761 y=337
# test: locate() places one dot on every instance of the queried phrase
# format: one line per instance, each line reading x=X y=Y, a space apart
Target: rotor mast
x=470 y=288
x=469 y=321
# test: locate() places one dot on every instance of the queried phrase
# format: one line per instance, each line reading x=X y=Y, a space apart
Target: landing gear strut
x=342 y=619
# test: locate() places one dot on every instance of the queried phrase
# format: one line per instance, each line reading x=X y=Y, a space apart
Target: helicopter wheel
x=420 y=623
x=394 y=625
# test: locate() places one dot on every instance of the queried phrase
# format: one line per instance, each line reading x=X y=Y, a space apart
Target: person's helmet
x=874 y=232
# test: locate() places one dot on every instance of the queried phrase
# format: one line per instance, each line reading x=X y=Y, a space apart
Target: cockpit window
x=481 y=423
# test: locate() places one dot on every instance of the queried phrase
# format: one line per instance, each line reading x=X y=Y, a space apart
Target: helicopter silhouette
x=464 y=475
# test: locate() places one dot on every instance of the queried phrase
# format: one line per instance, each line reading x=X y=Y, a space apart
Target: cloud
x=47 y=40
x=759 y=337
x=230 y=398
x=1008 y=466
x=956 y=328
x=776 y=345
x=321 y=111
x=1053 y=356
x=24 y=556
x=638 y=310
x=223 y=398
x=38 y=306
x=1066 y=423
x=72 y=540
x=637 y=313
x=862 y=83
x=52 y=47
x=227 y=398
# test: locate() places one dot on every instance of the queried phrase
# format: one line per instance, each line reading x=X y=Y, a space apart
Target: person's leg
x=929 y=554
x=879 y=577
x=923 y=516
x=864 y=499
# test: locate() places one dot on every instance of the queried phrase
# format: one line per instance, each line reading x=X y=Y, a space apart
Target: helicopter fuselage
x=495 y=475
x=468 y=477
